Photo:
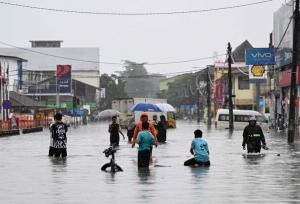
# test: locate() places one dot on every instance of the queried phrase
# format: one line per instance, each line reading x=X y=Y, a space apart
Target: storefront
x=284 y=82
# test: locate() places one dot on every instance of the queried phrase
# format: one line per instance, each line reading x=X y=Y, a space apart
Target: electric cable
x=133 y=14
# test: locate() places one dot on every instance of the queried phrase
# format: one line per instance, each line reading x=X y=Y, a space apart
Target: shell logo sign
x=257 y=74
x=258 y=70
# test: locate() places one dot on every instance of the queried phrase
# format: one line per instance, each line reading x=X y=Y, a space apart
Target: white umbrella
x=108 y=113
x=165 y=107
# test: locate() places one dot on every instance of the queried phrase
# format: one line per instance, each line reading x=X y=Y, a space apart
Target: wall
x=89 y=77
x=12 y=65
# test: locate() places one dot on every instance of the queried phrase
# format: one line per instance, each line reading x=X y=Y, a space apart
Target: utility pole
x=57 y=95
x=208 y=98
x=293 y=91
x=230 y=88
x=198 y=104
x=1 y=98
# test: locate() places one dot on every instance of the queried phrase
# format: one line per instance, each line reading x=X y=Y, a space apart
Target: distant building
x=39 y=73
x=10 y=78
x=245 y=94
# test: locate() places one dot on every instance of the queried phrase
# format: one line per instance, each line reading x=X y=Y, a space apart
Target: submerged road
x=27 y=175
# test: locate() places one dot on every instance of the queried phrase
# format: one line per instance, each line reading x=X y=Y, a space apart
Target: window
x=223 y=117
x=243 y=83
x=241 y=118
x=261 y=119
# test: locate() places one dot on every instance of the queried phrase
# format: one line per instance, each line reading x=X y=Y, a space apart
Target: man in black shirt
x=59 y=136
x=114 y=129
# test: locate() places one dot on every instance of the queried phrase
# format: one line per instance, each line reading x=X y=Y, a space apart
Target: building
x=281 y=71
x=39 y=73
x=10 y=79
x=246 y=95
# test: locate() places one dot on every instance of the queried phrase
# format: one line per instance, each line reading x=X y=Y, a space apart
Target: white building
x=44 y=56
x=10 y=78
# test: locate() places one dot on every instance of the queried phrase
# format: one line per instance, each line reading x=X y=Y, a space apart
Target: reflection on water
x=253 y=159
x=26 y=173
x=144 y=174
x=58 y=164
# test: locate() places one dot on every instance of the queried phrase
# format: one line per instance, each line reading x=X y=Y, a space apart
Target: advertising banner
x=257 y=73
x=64 y=78
x=284 y=77
x=284 y=55
x=260 y=56
x=219 y=91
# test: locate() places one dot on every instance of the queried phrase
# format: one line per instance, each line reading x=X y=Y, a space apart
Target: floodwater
x=27 y=175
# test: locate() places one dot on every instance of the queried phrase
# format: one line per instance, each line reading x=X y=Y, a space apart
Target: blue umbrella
x=146 y=107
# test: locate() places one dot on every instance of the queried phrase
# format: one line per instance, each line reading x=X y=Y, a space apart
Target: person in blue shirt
x=145 y=140
x=199 y=149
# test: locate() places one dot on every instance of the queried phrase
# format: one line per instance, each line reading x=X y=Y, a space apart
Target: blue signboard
x=64 y=80
x=283 y=56
x=6 y=104
x=260 y=56
x=261 y=102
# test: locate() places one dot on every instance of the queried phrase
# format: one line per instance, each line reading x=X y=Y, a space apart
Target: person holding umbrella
x=143 y=119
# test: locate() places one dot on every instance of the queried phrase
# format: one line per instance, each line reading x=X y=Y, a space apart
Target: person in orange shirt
x=144 y=118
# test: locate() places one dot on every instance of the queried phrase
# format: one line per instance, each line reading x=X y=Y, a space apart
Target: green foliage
x=179 y=91
x=138 y=82
x=114 y=88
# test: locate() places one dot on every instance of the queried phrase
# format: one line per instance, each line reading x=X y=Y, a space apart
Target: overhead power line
x=287 y=27
x=103 y=62
x=133 y=13
x=184 y=61
x=74 y=76
x=57 y=56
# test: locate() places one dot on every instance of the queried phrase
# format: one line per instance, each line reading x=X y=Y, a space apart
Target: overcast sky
x=142 y=38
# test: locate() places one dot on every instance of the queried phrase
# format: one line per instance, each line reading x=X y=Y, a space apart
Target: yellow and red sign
x=257 y=72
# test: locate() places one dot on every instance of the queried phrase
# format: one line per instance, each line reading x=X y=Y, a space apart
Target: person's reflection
x=58 y=178
x=58 y=164
x=145 y=192
x=199 y=171
x=254 y=159
x=144 y=174
x=198 y=176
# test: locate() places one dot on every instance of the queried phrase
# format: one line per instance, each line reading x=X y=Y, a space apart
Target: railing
x=22 y=124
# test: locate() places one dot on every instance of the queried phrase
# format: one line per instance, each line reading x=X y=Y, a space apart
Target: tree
x=114 y=88
x=138 y=82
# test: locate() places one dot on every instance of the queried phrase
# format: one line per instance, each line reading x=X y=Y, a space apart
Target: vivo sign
x=260 y=56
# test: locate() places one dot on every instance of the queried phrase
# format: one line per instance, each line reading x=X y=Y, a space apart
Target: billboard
x=281 y=19
x=64 y=78
x=257 y=74
x=284 y=77
x=219 y=91
x=260 y=56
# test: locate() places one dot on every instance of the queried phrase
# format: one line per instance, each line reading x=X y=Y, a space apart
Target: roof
x=47 y=60
x=23 y=101
x=239 y=52
x=239 y=112
x=13 y=57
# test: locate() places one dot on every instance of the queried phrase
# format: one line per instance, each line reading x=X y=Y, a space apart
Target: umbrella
x=146 y=107
x=165 y=107
x=108 y=113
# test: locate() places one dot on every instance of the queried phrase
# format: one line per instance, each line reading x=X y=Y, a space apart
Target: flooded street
x=27 y=175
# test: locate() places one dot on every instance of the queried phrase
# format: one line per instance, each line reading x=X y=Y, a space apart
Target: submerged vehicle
x=240 y=119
